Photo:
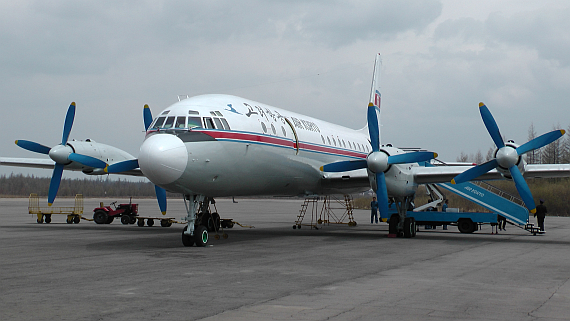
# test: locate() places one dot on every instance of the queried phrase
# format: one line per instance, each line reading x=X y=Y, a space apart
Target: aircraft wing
x=444 y=174
x=46 y=163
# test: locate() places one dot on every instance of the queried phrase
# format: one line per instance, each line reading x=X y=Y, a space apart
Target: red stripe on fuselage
x=280 y=142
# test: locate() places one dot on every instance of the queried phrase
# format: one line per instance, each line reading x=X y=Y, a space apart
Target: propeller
x=507 y=157
x=62 y=154
x=378 y=162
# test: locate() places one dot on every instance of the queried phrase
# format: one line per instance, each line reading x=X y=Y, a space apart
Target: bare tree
x=478 y=158
x=532 y=157
x=490 y=154
x=462 y=157
x=552 y=153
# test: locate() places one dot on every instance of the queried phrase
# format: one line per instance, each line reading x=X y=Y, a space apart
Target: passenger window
x=169 y=122
x=334 y=141
x=273 y=129
x=225 y=122
x=194 y=122
x=328 y=140
x=218 y=123
x=264 y=127
x=323 y=139
x=158 y=122
x=284 y=132
x=343 y=144
x=208 y=123
x=180 y=122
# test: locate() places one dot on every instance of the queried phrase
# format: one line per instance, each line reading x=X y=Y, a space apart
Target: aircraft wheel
x=201 y=236
x=414 y=228
x=48 y=219
x=187 y=240
x=407 y=227
x=216 y=221
x=150 y=222
x=100 y=217
x=125 y=219
x=140 y=222
x=165 y=223
x=208 y=222
x=393 y=224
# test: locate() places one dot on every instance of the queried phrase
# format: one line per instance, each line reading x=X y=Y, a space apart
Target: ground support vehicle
x=44 y=213
x=106 y=214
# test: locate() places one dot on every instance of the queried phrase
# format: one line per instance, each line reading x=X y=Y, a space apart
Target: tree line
x=19 y=185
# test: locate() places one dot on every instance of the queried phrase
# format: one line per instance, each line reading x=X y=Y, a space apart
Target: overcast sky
x=440 y=59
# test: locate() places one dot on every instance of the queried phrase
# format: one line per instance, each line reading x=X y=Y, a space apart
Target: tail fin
x=375 y=95
x=374 y=106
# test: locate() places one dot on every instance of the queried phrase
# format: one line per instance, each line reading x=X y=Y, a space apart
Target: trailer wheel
x=140 y=222
x=76 y=219
x=409 y=227
x=393 y=224
x=100 y=217
x=150 y=222
x=165 y=223
x=466 y=225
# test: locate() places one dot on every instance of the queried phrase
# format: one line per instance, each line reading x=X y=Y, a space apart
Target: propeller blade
x=522 y=188
x=68 y=123
x=123 y=166
x=54 y=183
x=161 y=197
x=414 y=157
x=344 y=166
x=382 y=195
x=147 y=116
x=33 y=147
x=540 y=141
x=87 y=160
x=373 y=128
x=491 y=125
x=475 y=172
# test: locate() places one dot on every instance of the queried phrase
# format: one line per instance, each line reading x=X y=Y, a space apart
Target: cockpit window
x=219 y=114
x=193 y=112
x=158 y=122
x=169 y=122
x=218 y=123
x=225 y=122
x=165 y=112
x=208 y=123
x=180 y=122
x=194 y=122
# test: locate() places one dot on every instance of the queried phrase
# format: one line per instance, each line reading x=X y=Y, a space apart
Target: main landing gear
x=400 y=225
x=202 y=219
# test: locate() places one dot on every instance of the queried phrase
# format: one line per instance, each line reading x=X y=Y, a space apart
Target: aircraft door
x=292 y=133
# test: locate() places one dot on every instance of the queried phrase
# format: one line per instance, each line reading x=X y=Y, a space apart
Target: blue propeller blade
x=414 y=157
x=491 y=125
x=373 y=128
x=540 y=141
x=382 y=194
x=161 y=197
x=54 y=183
x=475 y=172
x=344 y=166
x=522 y=188
x=33 y=147
x=87 y=160
x=68 y=123
x=123 y=166
x=147 y=116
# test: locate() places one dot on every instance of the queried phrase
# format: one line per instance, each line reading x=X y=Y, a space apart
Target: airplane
x=216 y=145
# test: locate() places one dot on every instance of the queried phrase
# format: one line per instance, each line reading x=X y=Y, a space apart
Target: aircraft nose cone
x=163 y=158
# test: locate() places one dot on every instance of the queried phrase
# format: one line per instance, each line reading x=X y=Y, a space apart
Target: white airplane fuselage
x=221 y=145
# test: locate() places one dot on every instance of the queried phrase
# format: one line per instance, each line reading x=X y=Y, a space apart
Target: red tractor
x=106 y=214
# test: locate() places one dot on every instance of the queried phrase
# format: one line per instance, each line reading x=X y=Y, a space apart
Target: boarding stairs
x=326 y=215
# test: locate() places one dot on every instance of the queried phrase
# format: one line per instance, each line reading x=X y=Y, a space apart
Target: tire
x=76 y=219
x=414 y=228
x=110 y=220
x=100 y=217
x=48 y=219
x=208 y=222
x=187 y=240
x=140 y=222
x=408 y=225
x=69 y=221
x=133 y=219
x=125 y=220
x=466 y=225
x=201 y=236
x=150 y=222
x=216 y=219
x=393 y=224
x=165 y=223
